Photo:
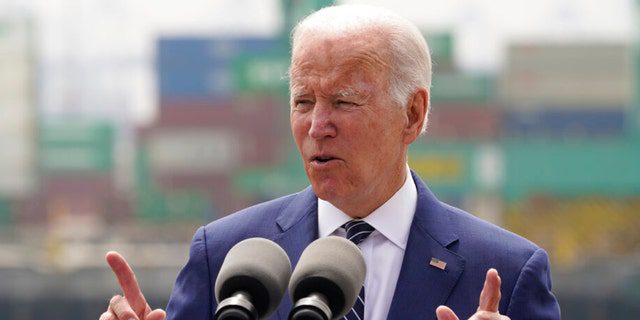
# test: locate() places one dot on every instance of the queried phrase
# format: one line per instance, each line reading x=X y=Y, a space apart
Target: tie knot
x=357 y=230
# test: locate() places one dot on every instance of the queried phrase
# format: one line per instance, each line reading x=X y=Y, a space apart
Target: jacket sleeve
x=192 y=296
x=532 y=297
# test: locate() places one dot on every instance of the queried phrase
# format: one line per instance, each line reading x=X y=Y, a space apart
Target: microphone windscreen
x=334 y=267
x=258 y=267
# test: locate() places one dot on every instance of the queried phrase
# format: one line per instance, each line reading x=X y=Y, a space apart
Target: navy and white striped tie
x=357 y=231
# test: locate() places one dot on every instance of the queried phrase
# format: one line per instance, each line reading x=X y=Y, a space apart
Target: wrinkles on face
x=345 y=55
x=346 y=127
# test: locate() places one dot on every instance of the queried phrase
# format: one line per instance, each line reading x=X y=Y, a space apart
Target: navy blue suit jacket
x=467 y=244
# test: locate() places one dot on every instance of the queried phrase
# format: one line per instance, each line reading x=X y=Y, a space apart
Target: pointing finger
x=128 y=282
x=490 y=295
x=157 y=314
x=121 y=309
x=445 y=313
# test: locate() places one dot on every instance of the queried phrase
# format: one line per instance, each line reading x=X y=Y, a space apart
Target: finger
x=128 y=282
x=490 y=295
x=445 y=313
x=157 y=314
x=121 y=308
x=486 y=315
x=107 y=315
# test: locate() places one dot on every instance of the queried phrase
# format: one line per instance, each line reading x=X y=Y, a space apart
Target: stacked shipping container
x=17 y=113
x=552 y=90
x=210 y=124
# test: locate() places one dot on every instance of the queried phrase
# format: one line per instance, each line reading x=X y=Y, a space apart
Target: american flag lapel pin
x=438 y=263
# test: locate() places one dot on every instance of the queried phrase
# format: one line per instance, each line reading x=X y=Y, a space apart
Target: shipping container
x=462 y=87
x=441 y=46
x=261 y=73
x=17 y=110
x=268 y=182
x=193 y=150
x=76 y=146
x=469 y=122
x=558 y=123
x=569 y=168
x=258 y=126
x=573 y=75
x=448 y=168
x=174 y=205
x=6 y=207
x=202 y=68
x=90 y=195
x=216 y=188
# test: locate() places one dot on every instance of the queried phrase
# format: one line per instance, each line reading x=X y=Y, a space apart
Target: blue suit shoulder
x=492 y=241
x=523 y=265
x=192 y=297
x=252 y=221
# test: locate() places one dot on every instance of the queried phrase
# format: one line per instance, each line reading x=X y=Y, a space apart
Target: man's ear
x=416 y=110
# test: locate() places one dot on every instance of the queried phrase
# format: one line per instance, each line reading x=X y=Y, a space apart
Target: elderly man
x=360 y=79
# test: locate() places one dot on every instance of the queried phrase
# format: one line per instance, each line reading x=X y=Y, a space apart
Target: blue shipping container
x=550 y=123
x=202 y=68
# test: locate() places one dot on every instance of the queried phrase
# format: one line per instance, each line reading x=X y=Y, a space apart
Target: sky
x=97 y=54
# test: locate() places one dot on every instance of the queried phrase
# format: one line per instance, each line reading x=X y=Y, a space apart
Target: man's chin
x=325 y=191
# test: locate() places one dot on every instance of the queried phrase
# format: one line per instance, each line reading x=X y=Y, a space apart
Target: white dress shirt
x=384 y=249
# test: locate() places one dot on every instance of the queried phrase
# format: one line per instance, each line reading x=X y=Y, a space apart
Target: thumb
x=445 y=313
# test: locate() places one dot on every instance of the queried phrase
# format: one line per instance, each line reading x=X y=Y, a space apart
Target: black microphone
x=252 y=280
x=327 y=280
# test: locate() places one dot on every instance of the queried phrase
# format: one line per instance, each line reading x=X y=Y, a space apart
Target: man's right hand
x=133 y=305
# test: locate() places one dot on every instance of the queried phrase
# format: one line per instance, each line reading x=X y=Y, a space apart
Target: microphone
x=327 y=280
x=252 y=280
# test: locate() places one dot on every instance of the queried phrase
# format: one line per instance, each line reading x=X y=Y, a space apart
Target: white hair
x=410 y=67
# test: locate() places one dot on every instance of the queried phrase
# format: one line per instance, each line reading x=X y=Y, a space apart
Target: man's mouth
x=322 y=159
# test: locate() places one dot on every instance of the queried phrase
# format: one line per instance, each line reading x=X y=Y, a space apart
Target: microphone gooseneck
x=252 y=280
x=327 y=280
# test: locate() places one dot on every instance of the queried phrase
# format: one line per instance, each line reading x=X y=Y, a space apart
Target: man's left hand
x=489 y=302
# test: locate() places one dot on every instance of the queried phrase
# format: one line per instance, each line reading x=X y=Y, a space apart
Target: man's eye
x=344 y=103
x=303 y=103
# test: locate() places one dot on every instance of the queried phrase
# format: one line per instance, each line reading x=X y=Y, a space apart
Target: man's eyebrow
x=348 y=92
x=297 y=91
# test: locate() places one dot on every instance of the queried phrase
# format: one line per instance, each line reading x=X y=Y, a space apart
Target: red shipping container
x=471 y=122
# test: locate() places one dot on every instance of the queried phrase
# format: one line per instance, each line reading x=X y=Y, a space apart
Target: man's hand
x=489 y=301
x=133 y=305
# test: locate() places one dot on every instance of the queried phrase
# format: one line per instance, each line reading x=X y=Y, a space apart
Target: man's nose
x=322 y=122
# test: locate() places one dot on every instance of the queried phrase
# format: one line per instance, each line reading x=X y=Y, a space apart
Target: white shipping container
x=17 y=113
x=569 y=58
x=17 y=166
x=584 y=93
x=572 y=75
x=15 y=82
x=192 y=151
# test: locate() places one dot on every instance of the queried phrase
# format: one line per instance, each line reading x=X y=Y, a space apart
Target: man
x=360 y=80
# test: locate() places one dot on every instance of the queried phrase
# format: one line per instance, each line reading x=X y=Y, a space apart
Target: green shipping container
x=76 y=146
x=5 y=211
x=440 y=45
x=462 y=87
x=607 y=168
x=270 y=182
x=447 y=168
x=262 y=73
x=178 y=205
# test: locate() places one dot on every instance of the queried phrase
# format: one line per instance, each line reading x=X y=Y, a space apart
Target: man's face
x=347 y=129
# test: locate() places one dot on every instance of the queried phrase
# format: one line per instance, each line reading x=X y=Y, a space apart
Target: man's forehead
x=354 y=48
x=338 y=91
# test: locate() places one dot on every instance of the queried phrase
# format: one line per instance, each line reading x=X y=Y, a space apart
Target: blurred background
x=126 y=124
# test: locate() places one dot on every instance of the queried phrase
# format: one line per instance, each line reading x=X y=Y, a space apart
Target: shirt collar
x=392 y=219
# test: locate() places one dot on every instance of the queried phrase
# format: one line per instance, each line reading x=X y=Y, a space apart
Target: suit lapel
x=421 y=287
x=298 y=223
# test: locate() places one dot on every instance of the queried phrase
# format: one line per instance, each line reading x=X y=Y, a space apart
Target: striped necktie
x=357 y=231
